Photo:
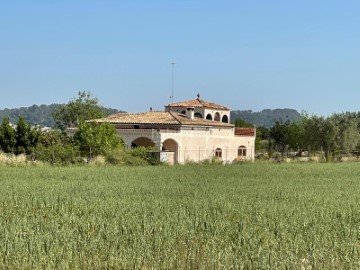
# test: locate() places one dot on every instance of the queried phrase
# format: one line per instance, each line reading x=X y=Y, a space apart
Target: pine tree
x=7 y=136
x=22 y=135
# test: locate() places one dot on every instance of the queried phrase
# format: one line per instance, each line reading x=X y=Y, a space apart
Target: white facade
x=194 y=143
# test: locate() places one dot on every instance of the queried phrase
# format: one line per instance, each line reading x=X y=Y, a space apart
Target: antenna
x=172 y=82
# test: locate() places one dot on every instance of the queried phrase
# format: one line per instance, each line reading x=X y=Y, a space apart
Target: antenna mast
x=172 y=82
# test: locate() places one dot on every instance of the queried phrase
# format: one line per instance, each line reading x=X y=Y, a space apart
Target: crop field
x=249 y=216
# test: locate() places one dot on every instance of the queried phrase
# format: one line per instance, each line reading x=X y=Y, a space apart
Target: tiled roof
x=158 y=118
x=245 y=132
x=198 y=103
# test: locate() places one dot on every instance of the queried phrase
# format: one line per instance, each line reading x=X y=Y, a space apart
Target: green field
x=249 y=216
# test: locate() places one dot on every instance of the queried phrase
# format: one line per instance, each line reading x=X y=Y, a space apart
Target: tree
x=96 y=139
x=280 y=133
x=321 y=134
x=296 y=140
x=242 y=123
x=7 y=136
x=55 y=147
x=22 y=136
x=78 y=110
x=348 y=137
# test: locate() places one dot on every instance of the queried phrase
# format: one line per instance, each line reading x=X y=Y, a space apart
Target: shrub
x=121 y=157
x=143 y=153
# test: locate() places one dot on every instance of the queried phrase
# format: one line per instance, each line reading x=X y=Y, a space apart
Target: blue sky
x=243 y=54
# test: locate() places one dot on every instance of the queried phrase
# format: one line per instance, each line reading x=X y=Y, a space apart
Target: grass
x=249 y=216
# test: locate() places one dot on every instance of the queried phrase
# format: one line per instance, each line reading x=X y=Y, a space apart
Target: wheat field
x=248 y=216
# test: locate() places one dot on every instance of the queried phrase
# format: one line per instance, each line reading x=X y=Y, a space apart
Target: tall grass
x=249 y=216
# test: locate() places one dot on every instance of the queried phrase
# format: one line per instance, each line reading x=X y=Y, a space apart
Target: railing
x=133 y=130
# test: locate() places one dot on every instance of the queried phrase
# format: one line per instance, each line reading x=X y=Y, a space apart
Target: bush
x=143 y=153
x=64 y=154
x=121 y=157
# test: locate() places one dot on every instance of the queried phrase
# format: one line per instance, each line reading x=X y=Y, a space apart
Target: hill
x=266 y=118
x=38 y=114
x=42 y=115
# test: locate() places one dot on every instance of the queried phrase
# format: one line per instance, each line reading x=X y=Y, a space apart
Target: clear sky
x=245 y=54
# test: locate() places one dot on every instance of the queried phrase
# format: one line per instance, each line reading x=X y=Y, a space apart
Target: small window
x=183 y=112
x=209 y=117
x=218 y=153
x=198 y=115
x=242 y=151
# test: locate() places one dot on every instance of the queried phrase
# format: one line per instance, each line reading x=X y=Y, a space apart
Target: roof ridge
x=201 y=101
x=175 y=117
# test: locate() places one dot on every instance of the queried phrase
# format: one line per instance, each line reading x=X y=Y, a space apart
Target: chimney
x=190 y=112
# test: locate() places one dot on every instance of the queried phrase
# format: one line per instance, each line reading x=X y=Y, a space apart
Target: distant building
x=193 y=130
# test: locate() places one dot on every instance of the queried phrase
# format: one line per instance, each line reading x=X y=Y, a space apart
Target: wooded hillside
x=38 y=114
x=42 y=115
x=267 y=118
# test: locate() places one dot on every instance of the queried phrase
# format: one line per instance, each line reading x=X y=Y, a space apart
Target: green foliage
x=348 y=137
x=78 y=110
x=127 y=158
x=262 y=133
x=95 y=139
x=321 y=134
x=34 y=115
x=26 y=138
x=146 y=154
x=267 y=118
x=54 y=147
x=22 y=137
x=40 y=115
x=254 y=216
x=7 y=136
x=242 y=123
x=280 y=133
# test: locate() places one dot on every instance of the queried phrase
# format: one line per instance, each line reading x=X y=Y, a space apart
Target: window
x=209 y=117
x=242 y=151
x=217 y=117
x=225 y=119
x=198 y=115
x=218 y=153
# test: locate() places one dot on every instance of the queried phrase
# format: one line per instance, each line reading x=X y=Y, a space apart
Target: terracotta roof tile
x=140 y=118
x=198 y=103
x=245 y=132
x=159 y=118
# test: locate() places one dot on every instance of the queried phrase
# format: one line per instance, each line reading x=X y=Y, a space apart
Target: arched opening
x=218 y=153
x=217 y=117
x=209 y=117
x=172 y=146
x=183 y=112
x=242 y=151
x=142 y=141
x=225 y=119
x=198 y=115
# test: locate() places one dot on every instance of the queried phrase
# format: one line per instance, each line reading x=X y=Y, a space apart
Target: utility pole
x=172 y=82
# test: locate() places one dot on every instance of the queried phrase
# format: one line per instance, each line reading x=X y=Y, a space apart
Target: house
x=193 y=130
